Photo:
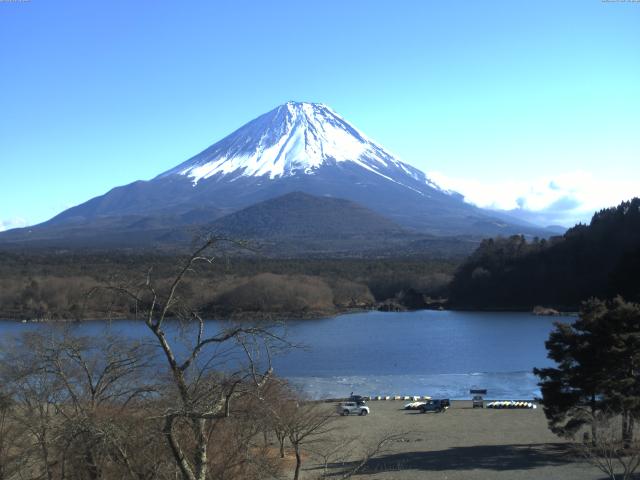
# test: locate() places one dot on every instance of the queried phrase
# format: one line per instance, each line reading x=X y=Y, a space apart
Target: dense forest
x=601 y=259
x=56 y=285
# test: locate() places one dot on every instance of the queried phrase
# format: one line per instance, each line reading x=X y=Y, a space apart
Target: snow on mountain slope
x=296 y=147
x=293 y=139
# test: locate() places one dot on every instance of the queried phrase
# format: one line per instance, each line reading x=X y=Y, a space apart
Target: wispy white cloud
x=10 y=223
x=564 y=199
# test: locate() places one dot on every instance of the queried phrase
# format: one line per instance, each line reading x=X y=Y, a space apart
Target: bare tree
x=336 y=452
x=610 y=450
x=371 y=450
x=73 y=393
x=278 y=402
x=307 y=424
x=11 y=440
x=344 y=457
x=185 y=405
x=205 y=373
x=240 y=452
x=35 y=394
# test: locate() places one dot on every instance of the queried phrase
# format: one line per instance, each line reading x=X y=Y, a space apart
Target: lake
x=437 y=353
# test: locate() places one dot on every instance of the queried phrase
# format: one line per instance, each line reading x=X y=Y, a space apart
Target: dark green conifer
x=598 y=367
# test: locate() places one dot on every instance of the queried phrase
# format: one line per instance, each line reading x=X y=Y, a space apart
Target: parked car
x=347 y=408
x=436 y=406
x=478 y=402
x=359 y=399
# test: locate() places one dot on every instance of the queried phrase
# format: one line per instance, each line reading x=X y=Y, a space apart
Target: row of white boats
x=510 y=404
x=496 y=404
x=416 y=404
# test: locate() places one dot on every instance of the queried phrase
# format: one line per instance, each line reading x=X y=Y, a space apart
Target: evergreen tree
x=598 y=362
x=598 y=260
x=621 y=323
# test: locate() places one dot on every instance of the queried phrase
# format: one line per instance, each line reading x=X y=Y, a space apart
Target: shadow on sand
x=494 y=457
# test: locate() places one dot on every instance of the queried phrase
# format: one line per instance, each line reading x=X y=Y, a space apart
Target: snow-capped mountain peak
x=304 y=154
x=295 y=138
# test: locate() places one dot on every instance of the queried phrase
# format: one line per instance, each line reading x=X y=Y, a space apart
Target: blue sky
x=515 y=104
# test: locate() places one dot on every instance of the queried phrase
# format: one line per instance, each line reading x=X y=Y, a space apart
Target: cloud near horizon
x=564 y=199
x=10 y=223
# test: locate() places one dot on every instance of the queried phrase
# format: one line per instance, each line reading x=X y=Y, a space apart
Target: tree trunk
x=199 y=426
x=178 y=455
x=627 y=428
x=281 y=436
x=45 y=456
x=594 y=430
x=298 y=462
x=92 y=467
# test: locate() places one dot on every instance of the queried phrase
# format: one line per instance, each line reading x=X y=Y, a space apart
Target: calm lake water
x=437 y=353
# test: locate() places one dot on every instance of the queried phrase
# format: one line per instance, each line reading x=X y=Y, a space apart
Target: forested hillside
x=601 y=259
x=55 y=286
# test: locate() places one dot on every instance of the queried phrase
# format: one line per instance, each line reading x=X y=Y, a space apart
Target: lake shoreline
x=293 y=316
x=425 y=352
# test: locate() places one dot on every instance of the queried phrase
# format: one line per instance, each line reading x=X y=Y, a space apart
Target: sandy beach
x=462 y=443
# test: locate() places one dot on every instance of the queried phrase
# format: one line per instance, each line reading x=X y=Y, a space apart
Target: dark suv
x=436 y=406
x=359 y=399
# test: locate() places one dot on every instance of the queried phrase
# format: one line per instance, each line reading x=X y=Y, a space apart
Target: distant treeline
x=56 y=285
x=601 y=259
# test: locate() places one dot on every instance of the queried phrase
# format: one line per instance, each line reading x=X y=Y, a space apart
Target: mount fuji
x=296 y=147
x=297 y=139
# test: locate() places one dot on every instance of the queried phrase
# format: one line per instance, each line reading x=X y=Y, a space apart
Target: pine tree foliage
x=598 y=368
x=599 y=260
